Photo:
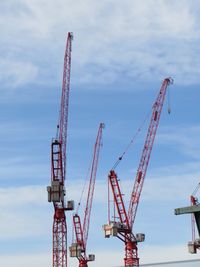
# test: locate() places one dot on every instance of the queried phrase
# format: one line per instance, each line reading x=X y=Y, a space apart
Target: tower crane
x=123 y=228
x=56 y=192
x=78 y=249
x=194 y=210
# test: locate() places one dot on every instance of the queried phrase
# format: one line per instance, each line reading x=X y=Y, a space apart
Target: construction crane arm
x=88 y=208
x=78 y=249
x=63 y=120
x=146 y=153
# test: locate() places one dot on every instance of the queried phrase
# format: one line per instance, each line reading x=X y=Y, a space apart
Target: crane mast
x=78 y=249
x=123 y=228
x=56 y=192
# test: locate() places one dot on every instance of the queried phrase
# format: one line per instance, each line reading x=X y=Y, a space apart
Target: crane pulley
x=123 y=229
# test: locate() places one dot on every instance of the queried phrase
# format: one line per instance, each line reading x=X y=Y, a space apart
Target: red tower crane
x=56 y=192
x=123 y=229
x=78 y=249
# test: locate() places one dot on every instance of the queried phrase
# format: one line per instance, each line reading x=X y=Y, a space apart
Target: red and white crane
x=123 y=228
x=78 y=248
x=56 y=192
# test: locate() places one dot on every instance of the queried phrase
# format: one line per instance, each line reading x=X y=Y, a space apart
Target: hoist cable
x=131 y=142
x=169 y=101
x=84 y=186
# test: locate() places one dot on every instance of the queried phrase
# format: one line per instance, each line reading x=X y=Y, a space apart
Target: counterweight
x=123 y=229
x=56 y=192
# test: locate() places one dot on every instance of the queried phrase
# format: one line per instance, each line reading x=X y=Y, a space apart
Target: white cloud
x=153 y=254
x=109 y=257
x=185 y=138
x=22 y=209
x=26 y=260
x=15 y=73
x=165 y=189
x=23 y=196
x=21 y=168
x=112 y=40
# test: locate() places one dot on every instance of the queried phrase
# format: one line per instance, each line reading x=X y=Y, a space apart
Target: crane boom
x=78 y=249
x=56 y=192
x=146 y=153
x=92 y=181
x=63 y=123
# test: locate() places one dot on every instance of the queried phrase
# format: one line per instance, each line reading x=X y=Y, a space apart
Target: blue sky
x=122 y=50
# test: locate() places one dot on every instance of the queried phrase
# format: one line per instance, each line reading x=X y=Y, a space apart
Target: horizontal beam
x=187 y=210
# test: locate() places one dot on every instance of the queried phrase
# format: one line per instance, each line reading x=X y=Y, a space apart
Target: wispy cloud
x=15 y=73
x=128 y=39
x=22 y=209
x=153 y=254
x=26 y=260
x=23 y=196
x=149 y=254
x=185 y=138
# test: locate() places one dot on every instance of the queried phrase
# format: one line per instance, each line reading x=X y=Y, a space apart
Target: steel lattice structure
x=56 y=192
x=78 y=249
x=123 y=229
